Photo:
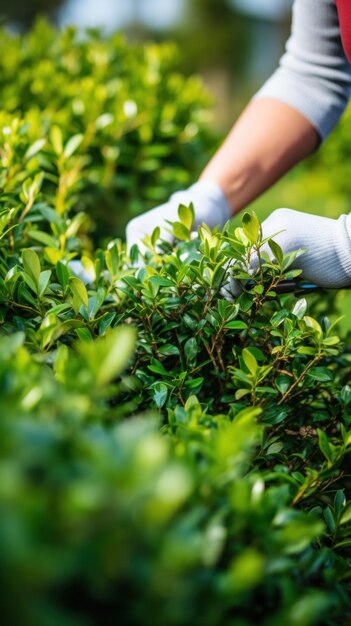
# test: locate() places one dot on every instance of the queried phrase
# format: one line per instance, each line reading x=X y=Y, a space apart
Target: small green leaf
x=155 y=235
x=322 y=374
x=307 y=350
x=313 y=324
x=191 y=349
x=276 y=250
x=56 y=140
x=34 y=149
x=339 y=501
x=236 y=325
x=275 y=448
x=62 y=274
x=325 y=446
x=108 y=356
x=180 y=231
x=186 y=215
x=42 y=237
x=31 y=264
x=240 y=393
x=80 y=294
x=300 y=308
x=168 y=350
x=251 y=227
x=72 y=145
x=331 y=341
x=43 y=282
x=346 y=516
x=283 y=383
x=329 y=518
x=159 y=394
x=250 y=361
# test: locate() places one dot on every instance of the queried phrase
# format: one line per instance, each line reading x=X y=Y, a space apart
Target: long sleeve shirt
x=314 y=74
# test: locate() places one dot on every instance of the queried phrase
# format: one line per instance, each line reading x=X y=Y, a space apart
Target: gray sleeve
x=314 y=75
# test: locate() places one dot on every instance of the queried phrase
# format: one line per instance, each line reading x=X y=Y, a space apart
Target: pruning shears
x=297 y=287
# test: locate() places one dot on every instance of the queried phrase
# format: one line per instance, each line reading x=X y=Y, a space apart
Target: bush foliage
x=167 y=457
x=139 y=125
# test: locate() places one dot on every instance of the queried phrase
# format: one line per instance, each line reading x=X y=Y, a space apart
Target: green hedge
x=142 y=125
x=167 y=457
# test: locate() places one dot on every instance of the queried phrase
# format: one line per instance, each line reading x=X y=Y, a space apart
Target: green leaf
x=275 y=448
x=307 y=350
x=283 y=383
x=322 y=374
x=329 y=518
x=155 y=235
x=34 y=149
x=159 y=394
x=80 y=294
x=44 y=238
x=250 y=361
x=236 y=325
x=276 y=250
x=161 y=281
x=191 y=349
x=31 y=264
x=251 y=227
x=44 y=280
x=345 y=394
x=339 y=501
x=240 y=393
x=186 y=215
x=108 y=356
x=168 y=350
x=62 y=274
x=313 y=324
x=56 y=140
x=331 y=341
x=346 y=516
x=180 y=231
x=72 y=145
x=300 y=308
x=325 y=446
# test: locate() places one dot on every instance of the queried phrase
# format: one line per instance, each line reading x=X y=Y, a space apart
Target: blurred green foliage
x=104 y=520
x=167 y=457
x=143 y=125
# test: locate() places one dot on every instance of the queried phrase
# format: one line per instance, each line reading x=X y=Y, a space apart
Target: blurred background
x=233 y=44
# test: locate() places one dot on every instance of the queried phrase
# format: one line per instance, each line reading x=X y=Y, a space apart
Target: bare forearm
x=268 y=139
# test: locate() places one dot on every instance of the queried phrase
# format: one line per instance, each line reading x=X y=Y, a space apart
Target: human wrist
x=236 y=183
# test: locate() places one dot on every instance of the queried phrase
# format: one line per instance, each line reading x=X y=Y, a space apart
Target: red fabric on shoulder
x=344 y=12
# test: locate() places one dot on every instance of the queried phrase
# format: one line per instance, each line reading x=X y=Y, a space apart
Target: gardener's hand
x=327 y=244
x=210 y=207
x=327 y=260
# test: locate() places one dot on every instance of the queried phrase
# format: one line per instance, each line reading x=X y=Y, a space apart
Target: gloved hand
x=327 y=260
x=210 y=207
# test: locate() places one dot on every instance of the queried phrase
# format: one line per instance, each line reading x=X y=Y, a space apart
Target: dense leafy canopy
x=167 y=457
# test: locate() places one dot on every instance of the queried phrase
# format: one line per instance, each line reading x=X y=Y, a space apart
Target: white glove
x=327 y=260
x=210 y=207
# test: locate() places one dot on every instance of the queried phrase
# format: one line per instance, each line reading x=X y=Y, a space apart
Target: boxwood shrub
x=168 y=457
x=140 y=125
